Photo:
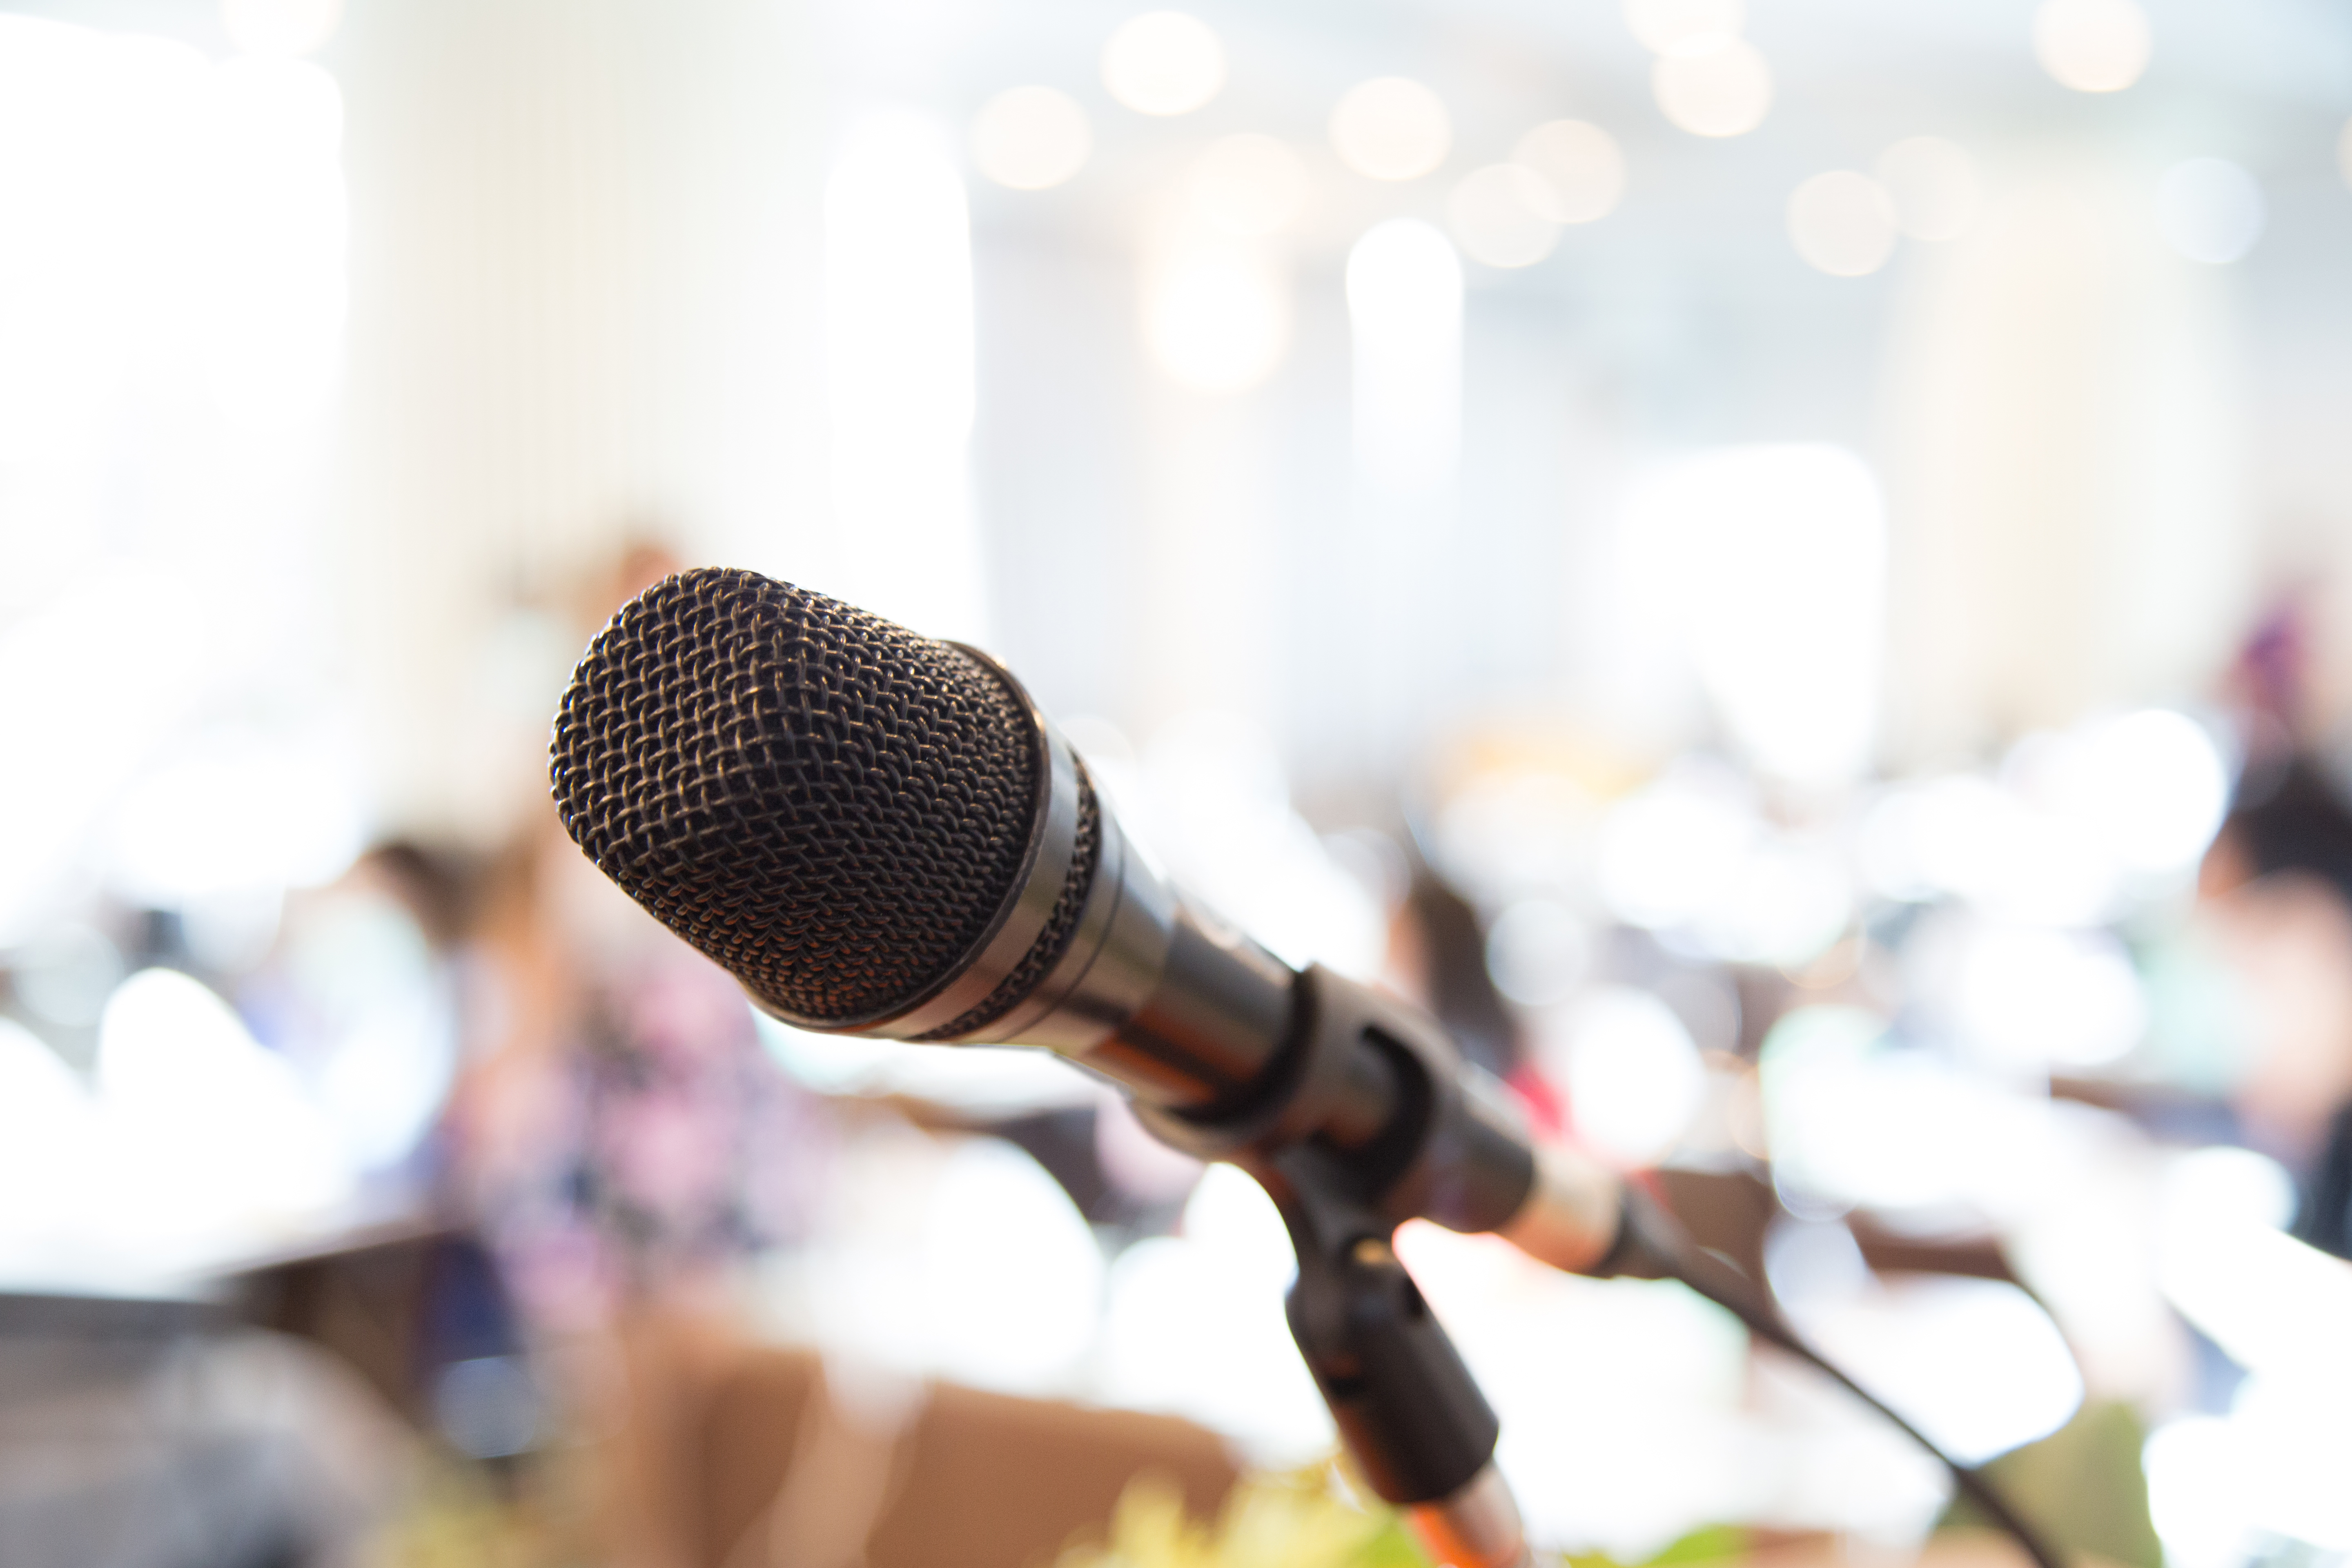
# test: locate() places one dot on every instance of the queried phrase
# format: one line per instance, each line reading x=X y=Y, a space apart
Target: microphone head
x=833 y=808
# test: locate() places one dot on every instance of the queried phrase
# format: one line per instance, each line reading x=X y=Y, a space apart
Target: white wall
x=583 y=272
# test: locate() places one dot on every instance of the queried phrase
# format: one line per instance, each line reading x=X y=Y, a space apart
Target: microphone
x=879 y=833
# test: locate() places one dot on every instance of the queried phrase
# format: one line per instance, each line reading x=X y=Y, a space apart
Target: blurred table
x=156 y=1434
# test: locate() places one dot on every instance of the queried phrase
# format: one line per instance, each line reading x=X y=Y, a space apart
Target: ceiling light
x=1843 y=222
x=1163 y=63
x=1500 y=215
x=1580 y=165
x=1030 y=138
x=2091 y=45
x=1391 y=128
x=1724 y=92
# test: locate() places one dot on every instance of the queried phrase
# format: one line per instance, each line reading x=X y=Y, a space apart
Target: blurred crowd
x=2027 y=1089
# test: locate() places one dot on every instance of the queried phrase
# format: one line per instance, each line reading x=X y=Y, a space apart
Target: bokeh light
x=1404 y=317
x=228 y=1148
x=487 y=1407
x=2199 y=1491
x=275 y=344
x=1249 y=185
x=1213 y=804
x=2287 y=1445
x=1629 y=1071
x=1582 y=166
x=1031 y=138
x=1216 y=318
x=979 y=1080
x=1933 y=185
x=1978 y=1364
x=236 y=811
x=957 y=1258
x=2091 y=45
x=1404 y=289
x=1766 y=564
x=1669 y=853
x=2037 y=1000
x=1684 y=26
x=2041 y=861
x=1853 y=1118
x=383 y=1045
x=1499 y=215
x=899 y=369
x=1785 y=904
x=1392 y=128
x=65 y=975
x=1537 y=950
x=2209 y=210
x=1015 y=1276
x=2151 y=785
x=1163 y=63
x=281 y=27
x=2271 y=1466
x=1724 y=92
x=1195 y=1325
x=1842 y=223
x=2226 y=1263
x=1509 y=834
x=49 y=1143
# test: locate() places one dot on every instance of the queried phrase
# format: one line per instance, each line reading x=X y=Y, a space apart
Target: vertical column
x=1404 y=313
x=2065 y=469
x=582 y=301
x=1216 y=321
x=899 y=375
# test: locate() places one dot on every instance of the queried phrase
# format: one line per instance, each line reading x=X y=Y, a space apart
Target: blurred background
x=1784 y=570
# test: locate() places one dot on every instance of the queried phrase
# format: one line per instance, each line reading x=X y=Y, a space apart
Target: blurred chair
x=1729 y=1212
x=785 y=1466
x=159 y=1434
x=399 y=1304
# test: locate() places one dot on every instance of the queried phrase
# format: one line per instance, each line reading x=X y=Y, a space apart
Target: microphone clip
x=1367 y=1118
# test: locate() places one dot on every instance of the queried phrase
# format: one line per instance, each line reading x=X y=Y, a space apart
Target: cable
x=1654 y=1245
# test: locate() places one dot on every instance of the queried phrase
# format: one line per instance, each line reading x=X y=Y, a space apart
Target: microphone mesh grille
x=827 y=804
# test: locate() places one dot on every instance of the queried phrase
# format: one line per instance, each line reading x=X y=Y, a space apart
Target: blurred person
x=2276 y=887
x=619 y=1128
x=625 y=1144
x=359 y=994
x=1438 y=957
x=620 y=1132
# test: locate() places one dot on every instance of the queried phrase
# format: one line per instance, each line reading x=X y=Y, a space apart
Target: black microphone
x=879 y=833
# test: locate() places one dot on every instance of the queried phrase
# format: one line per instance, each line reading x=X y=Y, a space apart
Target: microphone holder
x=1406 y=1405
x=1409 y=1409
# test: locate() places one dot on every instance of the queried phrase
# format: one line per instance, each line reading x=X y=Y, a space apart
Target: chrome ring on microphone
x=1111 y=965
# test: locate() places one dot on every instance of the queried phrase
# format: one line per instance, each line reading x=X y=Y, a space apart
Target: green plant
x=1298 y=1519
